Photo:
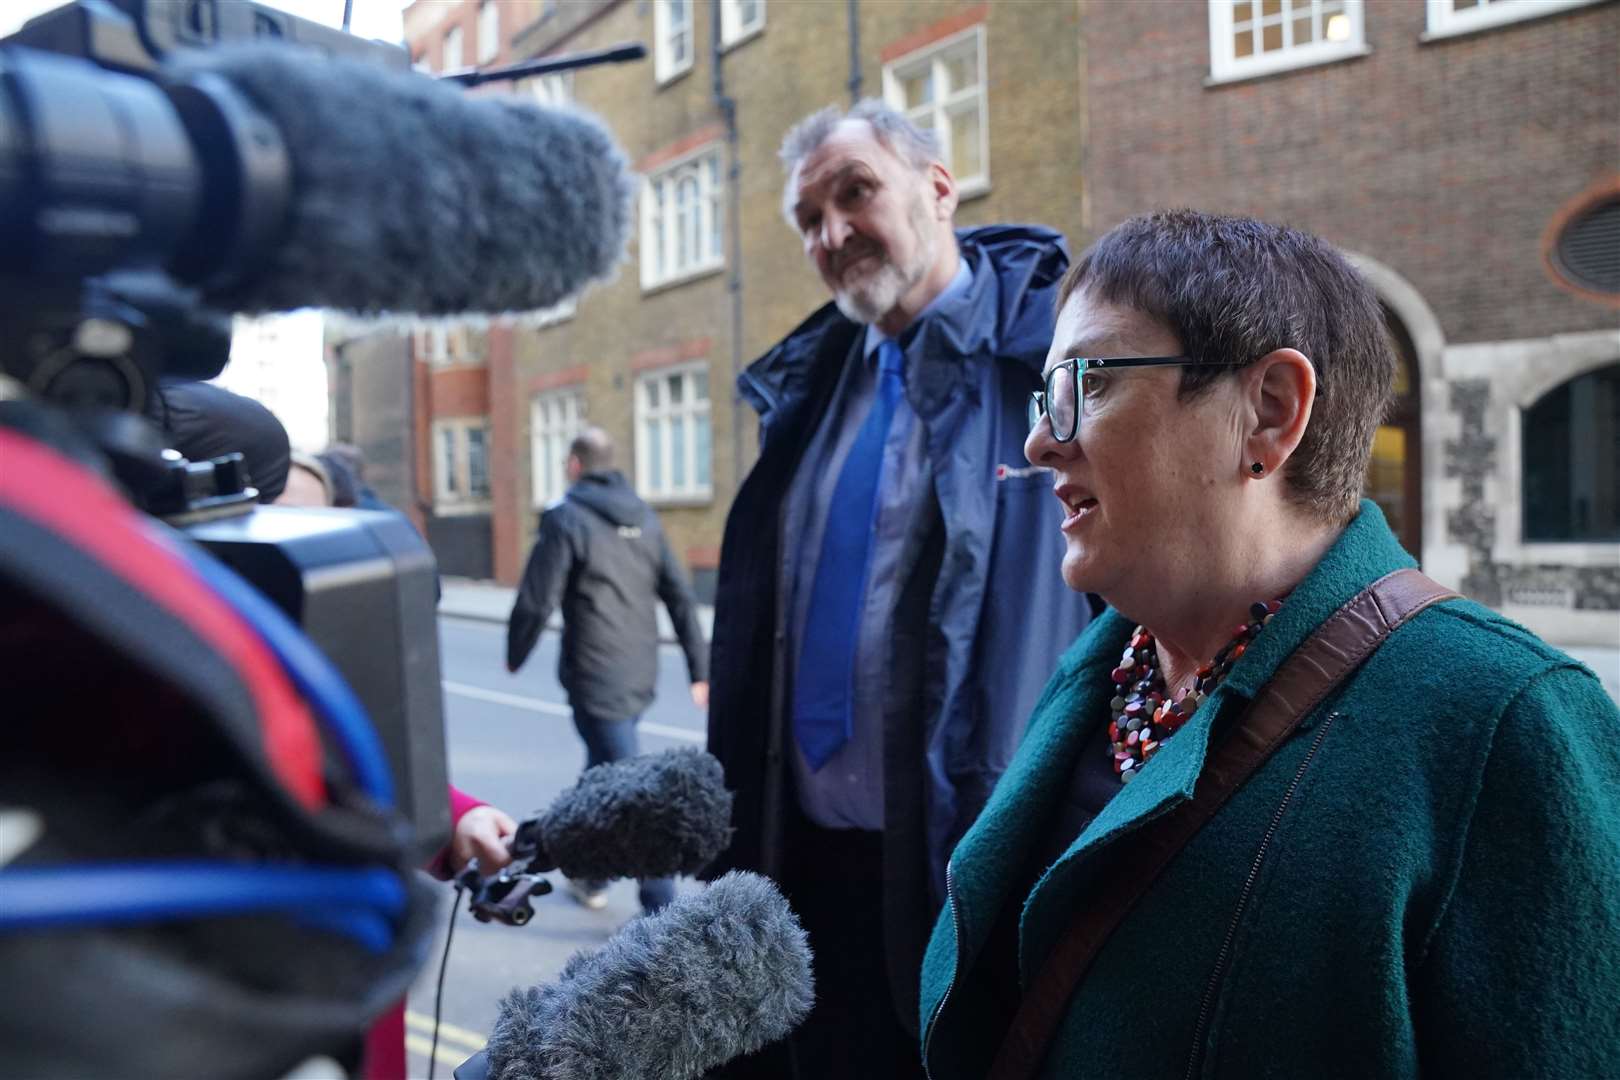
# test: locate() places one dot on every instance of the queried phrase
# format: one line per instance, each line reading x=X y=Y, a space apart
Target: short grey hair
x=594 y=449
x=917 y=147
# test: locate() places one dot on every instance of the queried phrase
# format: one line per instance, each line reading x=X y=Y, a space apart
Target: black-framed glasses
x=1061 y=399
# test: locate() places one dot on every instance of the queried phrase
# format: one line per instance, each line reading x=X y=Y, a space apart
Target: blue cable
x=311 y=672
x=360 y=903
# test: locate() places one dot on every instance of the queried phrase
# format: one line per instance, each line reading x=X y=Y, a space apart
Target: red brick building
x=1465 y=153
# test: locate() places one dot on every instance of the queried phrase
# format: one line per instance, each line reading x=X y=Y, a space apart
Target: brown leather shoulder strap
x=1335 y=650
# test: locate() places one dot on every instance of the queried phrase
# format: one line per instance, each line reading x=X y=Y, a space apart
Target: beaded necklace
x=1142 y=718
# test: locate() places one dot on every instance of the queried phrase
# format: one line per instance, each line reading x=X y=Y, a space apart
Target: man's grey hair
x=594 y=449
x=917 y=147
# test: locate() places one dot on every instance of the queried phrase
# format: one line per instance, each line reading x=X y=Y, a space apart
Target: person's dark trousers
x=613 y=740
x=833 y=878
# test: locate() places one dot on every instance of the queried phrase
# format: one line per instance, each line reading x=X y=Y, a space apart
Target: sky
x=277 y=360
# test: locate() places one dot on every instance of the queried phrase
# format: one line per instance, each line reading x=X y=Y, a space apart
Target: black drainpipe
x=728 y=113
x=854 y=51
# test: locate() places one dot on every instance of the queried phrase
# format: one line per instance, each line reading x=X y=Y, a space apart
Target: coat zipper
x=1221 y=959
x=956 y=970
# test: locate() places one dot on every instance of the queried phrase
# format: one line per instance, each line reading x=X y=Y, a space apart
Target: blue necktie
x=823 y=690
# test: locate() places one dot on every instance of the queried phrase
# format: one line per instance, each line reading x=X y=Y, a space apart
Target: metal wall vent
x=1588 y=250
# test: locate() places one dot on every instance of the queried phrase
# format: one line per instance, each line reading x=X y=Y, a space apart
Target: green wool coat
x=1439 y=894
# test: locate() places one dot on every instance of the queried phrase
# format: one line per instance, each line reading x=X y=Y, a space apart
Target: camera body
x=362 y=586
x=127 y=193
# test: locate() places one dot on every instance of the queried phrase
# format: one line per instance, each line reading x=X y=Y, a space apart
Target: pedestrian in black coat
x=602 y=557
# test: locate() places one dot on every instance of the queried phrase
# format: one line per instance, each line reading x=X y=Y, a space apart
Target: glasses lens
x=1062 y=405
x=1037 y=409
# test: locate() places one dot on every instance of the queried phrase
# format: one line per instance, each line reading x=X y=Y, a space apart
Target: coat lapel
x=1364 y=552
x=999 y=845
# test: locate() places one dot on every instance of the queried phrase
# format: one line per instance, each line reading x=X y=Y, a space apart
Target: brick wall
x=1443 y=160
x=455 y=392
x=507 y=413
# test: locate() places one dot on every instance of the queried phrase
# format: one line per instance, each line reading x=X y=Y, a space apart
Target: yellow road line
x=416 y=1044
x=447 y=1032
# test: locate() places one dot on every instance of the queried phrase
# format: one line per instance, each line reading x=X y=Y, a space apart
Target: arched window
x=1571 y=460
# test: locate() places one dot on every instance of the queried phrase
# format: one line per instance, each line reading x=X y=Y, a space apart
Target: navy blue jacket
x=991 y=614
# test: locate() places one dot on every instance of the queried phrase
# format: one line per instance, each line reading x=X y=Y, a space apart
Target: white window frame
x=933 y=57
x=733 y=31
x=553 y=91
x=432 y=346
x=1444 y=21
x=1225 y=66
x=666 y=65
x=489 y=31
x=667 y=492
x=453 y=481
x=443 y=345
x=455 y=57
x=664 y=195
x=556 y=417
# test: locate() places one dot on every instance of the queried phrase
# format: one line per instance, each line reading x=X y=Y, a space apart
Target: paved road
x=513 y=744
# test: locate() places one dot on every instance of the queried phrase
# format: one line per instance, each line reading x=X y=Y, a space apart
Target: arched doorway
x=1395 y=473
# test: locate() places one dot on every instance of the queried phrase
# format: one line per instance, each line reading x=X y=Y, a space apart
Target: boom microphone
x=272 y=177
x=651 y=816
x=411 y=195
x=714 y=975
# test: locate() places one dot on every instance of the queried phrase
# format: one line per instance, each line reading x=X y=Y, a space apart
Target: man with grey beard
x=885 y=611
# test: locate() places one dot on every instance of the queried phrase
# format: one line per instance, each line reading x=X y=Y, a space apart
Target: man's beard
x=882 y=289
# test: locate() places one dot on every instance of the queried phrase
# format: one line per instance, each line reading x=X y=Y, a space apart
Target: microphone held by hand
x=411 y=196
x=715 y=975
x=644 y=817
x=651 y=816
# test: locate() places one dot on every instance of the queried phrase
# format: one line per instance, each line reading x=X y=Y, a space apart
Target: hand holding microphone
x=483 y=833
x=716 y=974
x=656 y=815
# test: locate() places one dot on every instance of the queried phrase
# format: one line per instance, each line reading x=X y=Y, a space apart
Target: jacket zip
x=1225 y=955
x=956 y=970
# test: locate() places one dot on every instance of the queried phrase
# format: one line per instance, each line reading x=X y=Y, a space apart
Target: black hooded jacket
x=602 y=557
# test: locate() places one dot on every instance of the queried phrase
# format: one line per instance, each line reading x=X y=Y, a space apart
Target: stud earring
x=1257 y=468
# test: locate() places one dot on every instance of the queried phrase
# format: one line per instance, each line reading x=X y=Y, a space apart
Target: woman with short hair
x=1230 y=844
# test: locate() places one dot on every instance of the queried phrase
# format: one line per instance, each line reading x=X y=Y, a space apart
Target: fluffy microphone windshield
x=410 y=195
x=656 y=815
x=714 y=975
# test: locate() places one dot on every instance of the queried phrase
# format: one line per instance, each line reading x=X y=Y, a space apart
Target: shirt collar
x=948 y=295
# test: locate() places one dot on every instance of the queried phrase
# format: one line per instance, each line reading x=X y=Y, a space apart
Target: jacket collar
x=1000 y=843
x=1005 y=313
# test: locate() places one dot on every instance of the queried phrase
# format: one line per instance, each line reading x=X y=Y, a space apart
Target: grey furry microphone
x=656 y=815
x=410 y=195
x=715 y=975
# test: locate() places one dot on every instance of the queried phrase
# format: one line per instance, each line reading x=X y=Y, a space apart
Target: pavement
x=465 y=598
x=485 y=601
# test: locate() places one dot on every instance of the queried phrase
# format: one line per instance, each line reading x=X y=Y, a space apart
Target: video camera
x=128 y=191
x=205 y=845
